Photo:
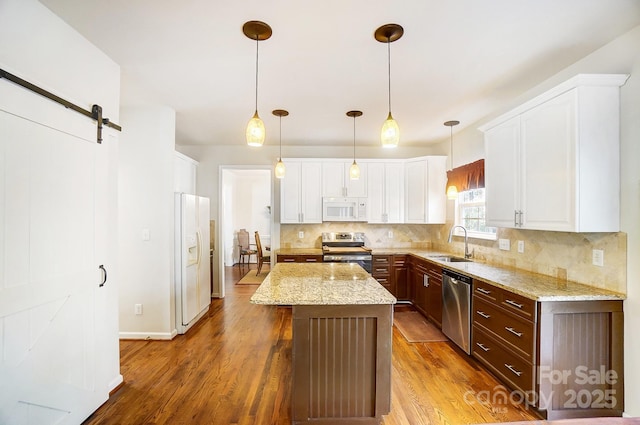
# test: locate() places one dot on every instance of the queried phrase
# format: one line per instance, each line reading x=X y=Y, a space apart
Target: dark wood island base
x=342 y=335
x=341 y=363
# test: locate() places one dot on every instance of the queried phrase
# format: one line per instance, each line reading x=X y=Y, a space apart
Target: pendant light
x=255 y=132
x=280 y=169
x=452 y=190
x=390 y=133
x=354 y=170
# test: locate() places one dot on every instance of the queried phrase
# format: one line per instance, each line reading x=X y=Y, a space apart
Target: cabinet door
x=376 y=200
x=333 y=179
x=425 y=198
x=502 y=180
x=337 y=183
x=311 y=192
x=290 y=193
x=386 y=192
x=416 y=191
x=400 y=277
x=301 y=193
x=394 y=192
x=547 y=164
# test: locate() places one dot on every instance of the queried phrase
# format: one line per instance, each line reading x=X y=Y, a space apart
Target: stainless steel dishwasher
x=456 y=308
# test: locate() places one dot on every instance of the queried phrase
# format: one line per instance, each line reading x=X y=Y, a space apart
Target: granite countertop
x=320 y=284
x=531 y=285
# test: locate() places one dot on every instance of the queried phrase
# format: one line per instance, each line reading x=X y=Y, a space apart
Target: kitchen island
x=342 y=320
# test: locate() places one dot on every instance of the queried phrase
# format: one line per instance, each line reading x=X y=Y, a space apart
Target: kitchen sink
x=449 y=259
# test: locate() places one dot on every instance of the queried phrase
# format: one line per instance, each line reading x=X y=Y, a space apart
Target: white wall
x=146 y=202
x=620 y=56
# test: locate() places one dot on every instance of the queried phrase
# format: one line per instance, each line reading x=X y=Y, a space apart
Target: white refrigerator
x=192 y=268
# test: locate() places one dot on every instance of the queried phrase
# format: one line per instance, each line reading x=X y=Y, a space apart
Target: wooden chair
x=262 y=257
x=245 y=246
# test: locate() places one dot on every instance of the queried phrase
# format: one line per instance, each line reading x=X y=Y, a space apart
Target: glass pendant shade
x=255 y=131
x=390 y=133
x=354 y=171
x=452 y=192
x=280 y=169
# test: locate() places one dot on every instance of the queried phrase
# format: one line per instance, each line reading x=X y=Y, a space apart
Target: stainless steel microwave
x=344 y=209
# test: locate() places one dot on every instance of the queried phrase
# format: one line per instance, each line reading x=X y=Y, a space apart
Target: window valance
x=467 y=177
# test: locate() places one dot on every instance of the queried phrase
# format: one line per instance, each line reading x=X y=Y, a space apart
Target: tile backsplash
x=560 y=254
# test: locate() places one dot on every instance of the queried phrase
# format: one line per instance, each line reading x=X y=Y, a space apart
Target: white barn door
x=56 y=227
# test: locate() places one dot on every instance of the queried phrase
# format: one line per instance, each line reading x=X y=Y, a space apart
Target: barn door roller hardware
x=95 y=113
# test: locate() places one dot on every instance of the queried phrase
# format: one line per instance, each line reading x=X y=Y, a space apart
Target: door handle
x=104 y=275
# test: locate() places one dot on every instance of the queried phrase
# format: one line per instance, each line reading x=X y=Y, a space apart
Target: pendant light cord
x=257 y=46
x=280 y=137
x=354 y=138
x=389 y=69
x=451 y=144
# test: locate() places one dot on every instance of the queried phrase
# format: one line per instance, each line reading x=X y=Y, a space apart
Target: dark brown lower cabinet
x=341 y=363
x=399 y=270
x=564 y=359
x=426 y=289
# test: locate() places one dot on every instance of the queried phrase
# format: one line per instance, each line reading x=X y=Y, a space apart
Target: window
x=470 y=213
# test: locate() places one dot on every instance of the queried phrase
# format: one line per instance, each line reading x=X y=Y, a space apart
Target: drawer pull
x=311 y=260
x=289 y=260
x=483 y=314
x=513 y=369
x=513 y=331
x=513 y=303
x=485 y=349
x=483 y=291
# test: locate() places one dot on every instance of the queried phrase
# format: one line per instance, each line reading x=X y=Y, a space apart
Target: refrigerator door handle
x=198 y=247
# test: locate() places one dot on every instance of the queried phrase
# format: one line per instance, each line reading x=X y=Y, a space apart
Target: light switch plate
x=598 y=257
x=520 y=247
x=504 y=244
x=390 y=234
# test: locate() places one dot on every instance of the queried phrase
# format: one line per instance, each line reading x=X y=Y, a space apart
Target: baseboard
x=115 y=384
x=149 y=335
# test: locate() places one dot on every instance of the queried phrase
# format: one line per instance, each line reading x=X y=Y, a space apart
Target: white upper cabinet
x=301 y=192
x=425 y=197
x=553 y=163
x=336 y=182
x=386 y=192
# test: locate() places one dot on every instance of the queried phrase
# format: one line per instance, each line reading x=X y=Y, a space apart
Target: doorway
x=246 y=202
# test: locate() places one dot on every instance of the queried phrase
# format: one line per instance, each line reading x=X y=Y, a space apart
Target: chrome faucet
x=466 y=246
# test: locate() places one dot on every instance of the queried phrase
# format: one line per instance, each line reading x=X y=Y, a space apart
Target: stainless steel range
x=346 y=247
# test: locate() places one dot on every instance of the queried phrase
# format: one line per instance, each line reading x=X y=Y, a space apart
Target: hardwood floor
x=234 y=367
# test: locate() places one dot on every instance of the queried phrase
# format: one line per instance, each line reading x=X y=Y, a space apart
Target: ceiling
x=457 y=60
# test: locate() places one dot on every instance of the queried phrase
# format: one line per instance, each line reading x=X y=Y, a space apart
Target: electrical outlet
x=300 y=235
x=138 y=309
x=504 y=244
x=597 y=257
x=520 y=247
x=390 y=234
